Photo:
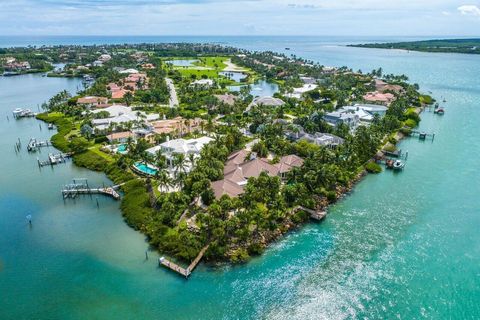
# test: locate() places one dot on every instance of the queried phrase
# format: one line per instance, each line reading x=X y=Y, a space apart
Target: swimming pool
x=145 y=168
x=122 y=149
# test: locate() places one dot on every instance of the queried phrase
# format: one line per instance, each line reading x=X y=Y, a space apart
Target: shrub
x=101 y=139
x=411 y=123
x=373 y=167
x=90 y=160
x=136 y=204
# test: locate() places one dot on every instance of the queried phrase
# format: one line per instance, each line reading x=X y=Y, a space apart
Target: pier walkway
x=80 y=186
x=180 y=270
x=316 y=215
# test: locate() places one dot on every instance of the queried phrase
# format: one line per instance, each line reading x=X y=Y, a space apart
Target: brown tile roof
x=227 y=187
x=120 y=135
x=92 y=100
x=237 y=171
x=287 y=163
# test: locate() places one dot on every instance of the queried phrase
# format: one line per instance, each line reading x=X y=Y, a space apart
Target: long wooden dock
x=72 y=193
x=186 y=272
x=80 y=186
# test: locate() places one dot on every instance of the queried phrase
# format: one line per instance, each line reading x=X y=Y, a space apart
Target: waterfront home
x=378 y=97
x=181 y=146
x=242 y=165
x=338 y=117
x=382 y=86
x=120 y=114
x=93 y=102
x=371 y=108
x=12 y=64
x=323 y=139
x=296 y=132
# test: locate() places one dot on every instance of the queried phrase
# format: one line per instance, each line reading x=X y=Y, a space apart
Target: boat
x=50 y=126
x=287 y=48
x=389 y=163
x=444 y=100
x=398 y=165
x=437 y=105
x=440 y=111
x=10 y=73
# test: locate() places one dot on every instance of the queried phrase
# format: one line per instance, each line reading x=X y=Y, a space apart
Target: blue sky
x=240 y=17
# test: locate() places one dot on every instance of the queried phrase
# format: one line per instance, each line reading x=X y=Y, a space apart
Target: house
x=202 y=83
x=93 y=102
x=179 y=125
x=104 y=58
x=323 y=139
x=228 y=99
x=383 y=98
x=308 y=80
x=129 y=71
x=382 y=87
x=372 y=109
x=338 y=117
x=298 y=92
x=240 y=167
x=181 y=146
x=265 y=101
x=120 y=114
x=120 y=137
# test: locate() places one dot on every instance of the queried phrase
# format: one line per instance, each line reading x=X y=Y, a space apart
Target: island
x=468 y=46
x=220 y=151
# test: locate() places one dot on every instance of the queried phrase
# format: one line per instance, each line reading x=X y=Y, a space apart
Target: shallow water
x=402 y=245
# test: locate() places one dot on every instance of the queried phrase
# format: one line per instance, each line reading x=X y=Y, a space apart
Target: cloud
x=469 y=10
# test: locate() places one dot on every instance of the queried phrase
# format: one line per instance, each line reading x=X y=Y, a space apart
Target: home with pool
x=187 y=147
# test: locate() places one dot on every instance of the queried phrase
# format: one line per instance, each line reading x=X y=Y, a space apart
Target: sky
x=241 y=17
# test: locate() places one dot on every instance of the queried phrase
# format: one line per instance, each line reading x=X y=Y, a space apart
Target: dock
x=80 y=186
x=314 y=214
x=422 y=135
x=53 y=159
x=23 y=113
x=186 y=272
x=34 y=144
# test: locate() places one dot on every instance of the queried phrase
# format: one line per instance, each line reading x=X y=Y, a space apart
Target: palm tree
x=180 y=163
x=164 y=180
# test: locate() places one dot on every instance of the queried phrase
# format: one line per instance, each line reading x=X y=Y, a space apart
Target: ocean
x=401 y=245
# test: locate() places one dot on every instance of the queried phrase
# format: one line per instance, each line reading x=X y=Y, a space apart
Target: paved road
x=173 y=101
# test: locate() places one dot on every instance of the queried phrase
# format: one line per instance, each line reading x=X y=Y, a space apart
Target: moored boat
x=398 y=165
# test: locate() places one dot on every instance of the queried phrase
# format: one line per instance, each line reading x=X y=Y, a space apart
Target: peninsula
x=468 y=46
x=219 y=150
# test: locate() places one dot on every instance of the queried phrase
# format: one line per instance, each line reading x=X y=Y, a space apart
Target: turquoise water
x=122 y=148
x=261 y=88
x=235 y=76
x=142 y=167
x=402 y=245
x=182 y=63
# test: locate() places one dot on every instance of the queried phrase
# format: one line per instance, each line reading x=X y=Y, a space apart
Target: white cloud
x=469 y=10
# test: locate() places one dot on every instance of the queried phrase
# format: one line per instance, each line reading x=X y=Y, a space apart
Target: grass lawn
x=216 y=63
x=106 y=156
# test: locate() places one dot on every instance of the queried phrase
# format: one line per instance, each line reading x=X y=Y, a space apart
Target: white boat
x=398 y=165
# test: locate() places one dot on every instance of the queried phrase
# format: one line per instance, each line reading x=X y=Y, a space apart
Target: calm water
x=401 y=246
x=261 y=88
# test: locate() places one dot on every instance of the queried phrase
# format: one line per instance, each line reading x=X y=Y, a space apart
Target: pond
x=261 y=88
x=182 y=62
x=235 y=76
